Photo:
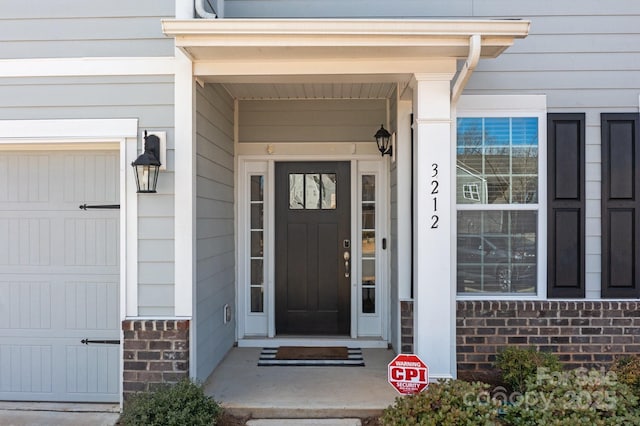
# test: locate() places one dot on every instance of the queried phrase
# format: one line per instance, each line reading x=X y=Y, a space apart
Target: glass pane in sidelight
x=368 y=188
x=257 y=211
x=368 y=272
x=257 y=272
x=257 y=299
x=368 y=216
x=368 y=243
x=368 y=300
x=257 y=188
x=257 y=244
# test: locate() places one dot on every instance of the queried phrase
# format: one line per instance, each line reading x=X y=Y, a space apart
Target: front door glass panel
x=312 y=191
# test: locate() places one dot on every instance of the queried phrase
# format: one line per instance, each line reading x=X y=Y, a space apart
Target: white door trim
x=265 y=164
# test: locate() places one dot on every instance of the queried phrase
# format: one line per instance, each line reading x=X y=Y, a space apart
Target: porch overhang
x=235 y=50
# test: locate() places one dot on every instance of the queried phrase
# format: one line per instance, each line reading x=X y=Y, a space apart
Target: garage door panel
x=25 y=305
x=91 y=241
x=91 y=178
x=25 y=178
x=91 y=305
x=25 y=241
x=26 y=368
x=59 y=276
x=89 y=369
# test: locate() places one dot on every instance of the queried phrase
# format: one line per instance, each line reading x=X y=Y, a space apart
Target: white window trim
x=509 y=106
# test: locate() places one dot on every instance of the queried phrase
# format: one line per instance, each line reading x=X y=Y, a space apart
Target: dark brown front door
x=313 y=232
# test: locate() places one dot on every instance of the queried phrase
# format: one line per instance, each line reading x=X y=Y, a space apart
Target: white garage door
x=59 y=276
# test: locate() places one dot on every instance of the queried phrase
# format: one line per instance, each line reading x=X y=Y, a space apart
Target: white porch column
x=185 y=191
x=434 y=225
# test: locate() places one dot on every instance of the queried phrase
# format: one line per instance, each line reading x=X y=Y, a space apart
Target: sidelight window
x=368 y=236
x=257 y=243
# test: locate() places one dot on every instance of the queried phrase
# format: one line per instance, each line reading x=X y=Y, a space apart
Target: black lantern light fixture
x=383 y=139
x=147 y=166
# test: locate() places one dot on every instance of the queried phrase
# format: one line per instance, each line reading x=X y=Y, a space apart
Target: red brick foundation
x=155 y=351
x=582 y=334
x=406 y=324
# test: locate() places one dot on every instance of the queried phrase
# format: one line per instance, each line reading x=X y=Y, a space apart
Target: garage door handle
x=102 y=342
x=99 y=206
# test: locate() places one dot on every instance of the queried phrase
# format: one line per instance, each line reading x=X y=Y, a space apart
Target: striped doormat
x=311 y=357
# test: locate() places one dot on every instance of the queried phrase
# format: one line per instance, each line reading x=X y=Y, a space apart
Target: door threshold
x=363 y=343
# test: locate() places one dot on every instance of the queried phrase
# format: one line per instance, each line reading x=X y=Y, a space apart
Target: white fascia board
x=272 y=40
x=67 y=129
x=71 y=67
x=398 y=28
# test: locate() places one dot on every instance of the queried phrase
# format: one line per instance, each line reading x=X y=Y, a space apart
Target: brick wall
x=155 y=351
x=406 y=324
x=588 y=334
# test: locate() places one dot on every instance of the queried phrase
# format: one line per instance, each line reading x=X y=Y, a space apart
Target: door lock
x=347 y=257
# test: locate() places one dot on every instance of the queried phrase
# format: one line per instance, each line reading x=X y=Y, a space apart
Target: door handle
x=346 y=257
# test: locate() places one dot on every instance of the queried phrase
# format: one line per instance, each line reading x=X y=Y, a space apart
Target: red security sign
x=408 y=374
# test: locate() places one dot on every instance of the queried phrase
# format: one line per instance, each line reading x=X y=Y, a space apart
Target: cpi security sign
x=408 y=374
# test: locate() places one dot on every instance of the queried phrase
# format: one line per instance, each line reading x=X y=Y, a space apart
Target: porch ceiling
x=294 y=58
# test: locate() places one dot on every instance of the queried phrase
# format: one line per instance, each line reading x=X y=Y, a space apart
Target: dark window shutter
x=620 y=202
x=566 y=204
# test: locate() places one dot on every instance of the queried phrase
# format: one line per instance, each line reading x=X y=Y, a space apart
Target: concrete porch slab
x=246 y=390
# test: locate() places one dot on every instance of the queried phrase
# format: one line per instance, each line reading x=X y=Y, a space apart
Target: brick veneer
x=587 y=334
x=406 y=321
x=155 y=351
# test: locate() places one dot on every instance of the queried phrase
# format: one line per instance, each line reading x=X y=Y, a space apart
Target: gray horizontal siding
x=215 y=240
x=345 y=9
x=75 y=28
x=150 y=100
x=424 y=9
x=584 y=57
x=344 y=120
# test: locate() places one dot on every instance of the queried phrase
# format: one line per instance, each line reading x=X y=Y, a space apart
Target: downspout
x=202 y=12
x=475 y=44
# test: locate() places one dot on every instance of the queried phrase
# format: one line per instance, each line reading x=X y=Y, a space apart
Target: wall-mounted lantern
x=147 y=166
x=383 y=139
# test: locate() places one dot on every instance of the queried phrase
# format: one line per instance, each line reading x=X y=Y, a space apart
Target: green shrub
x=516 y=365
x=446 y=403
x=183 y=403
x=571 y=398
x=627 y=371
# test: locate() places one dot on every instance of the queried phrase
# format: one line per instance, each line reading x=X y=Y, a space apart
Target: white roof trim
x=340 y=38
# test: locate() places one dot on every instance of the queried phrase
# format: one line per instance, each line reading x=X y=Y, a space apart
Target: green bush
x=446 y=403
x=627 y=371
x=571 y=398
x=183 y=403
x=516 y=365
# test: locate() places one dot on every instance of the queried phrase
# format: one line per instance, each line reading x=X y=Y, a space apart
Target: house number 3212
x=434 y=193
